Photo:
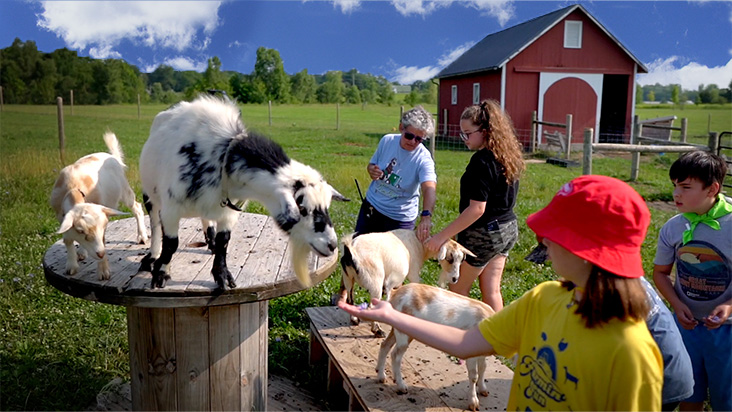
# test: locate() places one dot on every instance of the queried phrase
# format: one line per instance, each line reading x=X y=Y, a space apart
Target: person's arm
x=429 y=197
x=662 y=279
x=458 y=342
x=472 y=213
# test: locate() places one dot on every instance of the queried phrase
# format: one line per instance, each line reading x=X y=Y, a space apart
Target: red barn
x=564 y=62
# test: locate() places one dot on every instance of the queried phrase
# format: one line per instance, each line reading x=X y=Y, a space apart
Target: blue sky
x=686 y=42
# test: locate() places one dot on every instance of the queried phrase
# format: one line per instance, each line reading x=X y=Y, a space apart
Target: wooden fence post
x=713 y=142
x=71 y=102
x=61 y=134
x=269 y=105
x=587 y=152
x=635 y=156
x=532 y=133
x=684 y=125
x=569 y=136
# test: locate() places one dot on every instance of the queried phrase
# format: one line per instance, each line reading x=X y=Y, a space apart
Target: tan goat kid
x=379 y=262
x=440 y=306
x=85 y=195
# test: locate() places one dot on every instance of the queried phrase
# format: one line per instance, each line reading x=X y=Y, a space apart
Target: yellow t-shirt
x=564 y=366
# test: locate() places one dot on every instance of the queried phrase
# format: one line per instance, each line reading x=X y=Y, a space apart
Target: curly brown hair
x=501 y=139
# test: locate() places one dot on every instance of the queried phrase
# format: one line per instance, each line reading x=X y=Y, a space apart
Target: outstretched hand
x=379 y=310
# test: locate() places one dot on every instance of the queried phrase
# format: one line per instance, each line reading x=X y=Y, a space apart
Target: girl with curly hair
x=487 y=224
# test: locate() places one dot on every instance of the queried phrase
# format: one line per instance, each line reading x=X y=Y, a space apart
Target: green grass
x=57 y=352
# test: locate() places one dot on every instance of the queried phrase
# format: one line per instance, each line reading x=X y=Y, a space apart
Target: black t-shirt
x=484 y=180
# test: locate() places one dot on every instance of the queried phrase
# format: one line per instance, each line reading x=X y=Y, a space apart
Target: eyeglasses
x=466 y=136
x=412 y=136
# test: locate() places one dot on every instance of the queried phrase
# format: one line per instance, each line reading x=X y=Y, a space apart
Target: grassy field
x=57 y=352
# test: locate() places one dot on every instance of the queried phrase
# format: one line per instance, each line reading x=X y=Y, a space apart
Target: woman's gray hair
x=420 y=119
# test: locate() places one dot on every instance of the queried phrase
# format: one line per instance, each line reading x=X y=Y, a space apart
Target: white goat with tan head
x=85 y=195
x=199 y=161
x=379 y=262
x=440 y=306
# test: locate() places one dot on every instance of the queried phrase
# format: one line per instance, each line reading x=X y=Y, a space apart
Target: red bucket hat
x=600 y=219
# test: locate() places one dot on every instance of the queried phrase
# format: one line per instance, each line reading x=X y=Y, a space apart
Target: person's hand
x=423 y=230
x=374 y=171
x=717 y=317
x=434 y=243
x=378 y=311
x=686 y=318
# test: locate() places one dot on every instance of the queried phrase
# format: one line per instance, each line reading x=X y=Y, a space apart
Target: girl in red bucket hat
x=582 y=342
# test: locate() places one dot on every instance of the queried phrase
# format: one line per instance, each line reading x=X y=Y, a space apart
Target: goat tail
x=348 y=259
x=300 y=252
x=110 y=139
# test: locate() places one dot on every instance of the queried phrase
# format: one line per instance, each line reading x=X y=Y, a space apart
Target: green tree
x=651 y=96
x=333 y=89
x=304 y=87
x=638 y=94
x=675 y=94
x=270 y=72
x=352 y=95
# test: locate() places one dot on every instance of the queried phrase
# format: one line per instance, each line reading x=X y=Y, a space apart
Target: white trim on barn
x=546 y=80
x=503 y=86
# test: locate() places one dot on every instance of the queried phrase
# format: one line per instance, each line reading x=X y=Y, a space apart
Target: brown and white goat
x=379 y=262
x=440 y=306
x=85 y=195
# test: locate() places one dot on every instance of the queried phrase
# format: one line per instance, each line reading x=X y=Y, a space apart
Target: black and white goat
x=440 y=306
x=85 y=195
x=379 y=262
x=199 y=161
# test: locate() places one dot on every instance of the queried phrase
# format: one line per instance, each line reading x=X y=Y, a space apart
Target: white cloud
x=689 y=76
x=102 y=25
x=410 y=74
x=347 y=6
x=182 y=63
x=502 y=10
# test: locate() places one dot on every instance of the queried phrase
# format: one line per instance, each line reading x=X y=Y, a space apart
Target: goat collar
x=225 y=201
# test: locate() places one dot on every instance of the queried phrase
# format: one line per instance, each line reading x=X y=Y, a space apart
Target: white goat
x=85 y=195
x=440 y=306
x=200 y=160
x=379 y=262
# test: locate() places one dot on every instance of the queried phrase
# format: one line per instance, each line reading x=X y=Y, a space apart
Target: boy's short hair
x=701 y=165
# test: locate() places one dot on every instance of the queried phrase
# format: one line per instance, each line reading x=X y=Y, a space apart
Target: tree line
x=28 y=76
x=673 y=93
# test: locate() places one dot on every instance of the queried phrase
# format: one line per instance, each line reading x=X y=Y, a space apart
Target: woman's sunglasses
x=412 y=136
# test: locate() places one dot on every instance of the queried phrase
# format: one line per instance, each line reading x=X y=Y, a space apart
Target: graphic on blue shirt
x=389 y=175
x=542 y=368
x=703 y=272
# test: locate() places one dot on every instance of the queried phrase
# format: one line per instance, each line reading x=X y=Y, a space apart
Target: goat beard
x=300 y=252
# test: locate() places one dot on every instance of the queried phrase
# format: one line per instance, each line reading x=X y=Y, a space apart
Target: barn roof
x=497 y=49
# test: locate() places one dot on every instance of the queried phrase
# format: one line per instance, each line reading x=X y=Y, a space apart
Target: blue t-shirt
x=678 y=378
x=396 y=193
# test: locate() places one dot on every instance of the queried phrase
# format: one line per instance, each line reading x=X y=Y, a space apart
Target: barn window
x=454 y=94
x=572 y=34
x=476 y=93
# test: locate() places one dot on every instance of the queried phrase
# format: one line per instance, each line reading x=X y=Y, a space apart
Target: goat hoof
x=379 y=333
x=159 y=280
x=402 y=391
x=355 y=321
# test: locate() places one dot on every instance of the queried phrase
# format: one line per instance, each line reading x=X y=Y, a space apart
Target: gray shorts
x=486 y=244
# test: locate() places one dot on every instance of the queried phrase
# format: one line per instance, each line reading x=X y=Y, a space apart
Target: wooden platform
x=435 y=381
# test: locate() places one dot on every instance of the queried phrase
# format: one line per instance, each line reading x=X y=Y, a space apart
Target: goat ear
x=442 y=253
x=66 y=224
x=112 y=212
x=337 y=196
x=467 y=252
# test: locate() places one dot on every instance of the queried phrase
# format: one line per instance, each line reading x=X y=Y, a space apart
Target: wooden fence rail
x=636 y=149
